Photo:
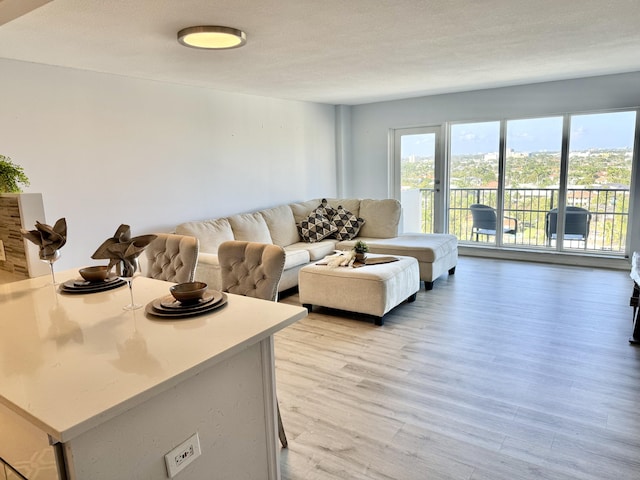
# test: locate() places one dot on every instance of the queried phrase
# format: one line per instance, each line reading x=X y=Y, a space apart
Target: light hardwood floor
x=504 y=371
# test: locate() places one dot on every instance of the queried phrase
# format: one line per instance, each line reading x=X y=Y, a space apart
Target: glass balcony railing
x=607 y=229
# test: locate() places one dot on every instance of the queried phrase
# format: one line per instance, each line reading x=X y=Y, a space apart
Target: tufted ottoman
x=371 y=289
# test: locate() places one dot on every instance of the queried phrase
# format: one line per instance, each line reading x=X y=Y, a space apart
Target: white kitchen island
x=90 y=391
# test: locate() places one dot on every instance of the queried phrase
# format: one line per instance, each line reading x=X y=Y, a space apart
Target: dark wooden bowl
x=190 y=292
x=97 y=273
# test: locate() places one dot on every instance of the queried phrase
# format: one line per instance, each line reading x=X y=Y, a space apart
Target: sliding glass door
x=599 y=169
x=474 y=179
x=553 y=183
x=557 y=183
x=416 y=168
x=532 y=176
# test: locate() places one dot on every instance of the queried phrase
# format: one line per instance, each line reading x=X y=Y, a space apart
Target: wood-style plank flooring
x=504 y=371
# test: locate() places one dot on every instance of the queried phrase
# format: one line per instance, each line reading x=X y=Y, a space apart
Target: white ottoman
x=371 y=289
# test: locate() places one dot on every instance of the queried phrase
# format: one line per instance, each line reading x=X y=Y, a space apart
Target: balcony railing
x=608 y=207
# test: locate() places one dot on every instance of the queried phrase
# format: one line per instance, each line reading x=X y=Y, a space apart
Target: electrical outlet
x=181 y=456
x=3 y=257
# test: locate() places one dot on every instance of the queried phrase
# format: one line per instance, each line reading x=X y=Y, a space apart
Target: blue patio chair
x=485 y=221
x=576 y=224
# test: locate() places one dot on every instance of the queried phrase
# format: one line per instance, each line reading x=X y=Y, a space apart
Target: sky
x=594 y=131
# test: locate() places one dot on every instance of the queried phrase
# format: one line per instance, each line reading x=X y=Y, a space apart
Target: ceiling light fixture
x=212 y=37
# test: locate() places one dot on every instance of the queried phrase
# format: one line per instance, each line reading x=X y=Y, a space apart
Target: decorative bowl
x=97 y=273
x=189 y=292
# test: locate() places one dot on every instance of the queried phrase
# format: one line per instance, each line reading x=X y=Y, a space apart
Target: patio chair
x=485 y=221
x=576 y=224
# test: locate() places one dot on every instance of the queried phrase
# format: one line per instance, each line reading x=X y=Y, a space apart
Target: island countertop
x=69 y=362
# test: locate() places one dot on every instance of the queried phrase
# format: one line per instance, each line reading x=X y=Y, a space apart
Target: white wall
x=371 y=123
x=105 y=150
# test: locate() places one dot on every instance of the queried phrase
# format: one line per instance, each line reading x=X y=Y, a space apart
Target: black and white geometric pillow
x=315 y=227
x=347 y=224
x=325 y=209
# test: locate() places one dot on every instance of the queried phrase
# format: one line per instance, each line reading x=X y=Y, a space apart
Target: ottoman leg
x=452 y=270
x=412 y=298
x=379 y=321
x=308 y=306
x=428 y=285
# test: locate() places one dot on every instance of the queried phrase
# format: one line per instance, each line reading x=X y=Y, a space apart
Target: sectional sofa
x=309 y=231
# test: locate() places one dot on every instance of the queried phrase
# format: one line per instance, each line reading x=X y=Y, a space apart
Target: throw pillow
x=347 y=224
x=325 y=209
x=316 y=227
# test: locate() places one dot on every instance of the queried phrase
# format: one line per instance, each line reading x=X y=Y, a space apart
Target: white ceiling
x=335 y=51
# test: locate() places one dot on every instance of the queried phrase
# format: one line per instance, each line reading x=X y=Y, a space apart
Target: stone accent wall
x=10 y=224
x=20 y=211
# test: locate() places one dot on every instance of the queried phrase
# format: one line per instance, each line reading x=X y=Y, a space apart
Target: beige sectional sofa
x=377 y=224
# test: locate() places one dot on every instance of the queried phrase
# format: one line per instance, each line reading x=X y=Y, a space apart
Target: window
x=552 y=183
x=532 y=176
x=474 y=174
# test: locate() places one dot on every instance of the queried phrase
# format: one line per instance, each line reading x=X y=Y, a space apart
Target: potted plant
x=11 y=176
x=361 y=248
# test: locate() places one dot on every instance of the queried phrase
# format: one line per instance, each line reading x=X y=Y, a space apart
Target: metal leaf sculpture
x=122 y=251
x=48 y=239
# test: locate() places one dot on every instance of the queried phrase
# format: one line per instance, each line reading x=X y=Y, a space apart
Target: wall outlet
x=3 y=256
x=181 y=456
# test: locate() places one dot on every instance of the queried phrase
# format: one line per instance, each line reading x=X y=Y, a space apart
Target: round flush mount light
x=212 y=37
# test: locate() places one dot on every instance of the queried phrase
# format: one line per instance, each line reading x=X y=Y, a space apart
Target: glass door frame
x=441 y=180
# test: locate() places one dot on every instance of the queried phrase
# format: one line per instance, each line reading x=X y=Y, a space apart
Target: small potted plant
x=11 y=175
x=361 y=249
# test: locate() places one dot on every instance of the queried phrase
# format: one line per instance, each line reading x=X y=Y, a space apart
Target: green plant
x=361 y=247
x=11 y=175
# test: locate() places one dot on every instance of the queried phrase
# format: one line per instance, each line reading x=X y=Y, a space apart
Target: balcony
x=608 y=228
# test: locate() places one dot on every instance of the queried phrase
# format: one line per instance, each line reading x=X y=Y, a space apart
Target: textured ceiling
x=336 y=51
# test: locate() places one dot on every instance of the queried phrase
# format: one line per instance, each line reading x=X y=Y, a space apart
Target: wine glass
x=50 y=258
x=126 y=270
